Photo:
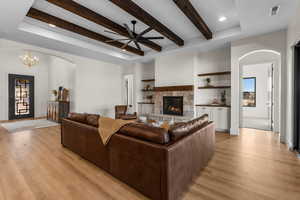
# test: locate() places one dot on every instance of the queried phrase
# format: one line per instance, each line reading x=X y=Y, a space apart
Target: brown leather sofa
x=158 y=163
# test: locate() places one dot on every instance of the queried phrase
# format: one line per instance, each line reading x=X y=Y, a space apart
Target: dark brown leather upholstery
x=85 y=140
x=182 y=129
x=78 y=117
x=93 y=120
x=121 y=113
x=159 y=171
x=146 y=132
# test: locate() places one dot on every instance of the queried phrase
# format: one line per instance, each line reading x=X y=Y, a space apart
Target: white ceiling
x=245 y=18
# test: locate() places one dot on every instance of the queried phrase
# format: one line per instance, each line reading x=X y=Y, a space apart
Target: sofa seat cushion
x=182 y=129
x=145 y=132
x=93 y=120
x=78 y=117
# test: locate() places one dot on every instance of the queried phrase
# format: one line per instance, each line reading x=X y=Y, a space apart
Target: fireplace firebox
x=173 y=105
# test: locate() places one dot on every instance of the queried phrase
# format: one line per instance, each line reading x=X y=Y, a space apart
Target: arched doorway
x=259 y=84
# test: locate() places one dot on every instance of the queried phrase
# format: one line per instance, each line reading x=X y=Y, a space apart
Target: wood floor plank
x=254 y=165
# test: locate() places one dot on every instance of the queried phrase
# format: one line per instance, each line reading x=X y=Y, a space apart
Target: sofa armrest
x=186 y=158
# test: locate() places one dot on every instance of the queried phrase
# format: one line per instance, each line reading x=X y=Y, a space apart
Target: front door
x=21 y=96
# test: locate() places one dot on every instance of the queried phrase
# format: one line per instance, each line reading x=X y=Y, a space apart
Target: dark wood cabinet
x=57 y=110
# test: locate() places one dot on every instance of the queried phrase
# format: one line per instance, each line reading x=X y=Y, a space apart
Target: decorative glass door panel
x=21 y=96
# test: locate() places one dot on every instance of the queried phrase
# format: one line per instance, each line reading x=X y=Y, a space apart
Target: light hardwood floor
x=253 y=166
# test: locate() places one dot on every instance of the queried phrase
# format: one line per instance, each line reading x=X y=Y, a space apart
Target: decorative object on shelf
x=148 y=87
x=65 y=94
x=54 y=95
x=223 y=97
x=215 y=101
x=29 y=60
x=149 y=97
x=60 y=93
x=208 y=80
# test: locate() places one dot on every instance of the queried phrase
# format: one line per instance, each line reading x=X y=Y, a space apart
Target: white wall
x=293 y=37
x=11 y=64
x=62 y=73
x=98 y=87
x=275 y=42
x=174 y=69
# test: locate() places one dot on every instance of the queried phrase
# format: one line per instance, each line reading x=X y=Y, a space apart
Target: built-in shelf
x=148 y=90
x=145 y=103
x=148 y=80
x=215 y=87
x=213 y=105
x=216 y=73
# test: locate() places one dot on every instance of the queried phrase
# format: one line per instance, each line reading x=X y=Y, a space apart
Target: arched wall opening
x=271 y=42
x=256 y=60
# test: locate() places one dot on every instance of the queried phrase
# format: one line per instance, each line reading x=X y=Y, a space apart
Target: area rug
x=13 y=127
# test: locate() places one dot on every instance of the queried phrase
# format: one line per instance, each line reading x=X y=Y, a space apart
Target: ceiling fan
x=133 y=36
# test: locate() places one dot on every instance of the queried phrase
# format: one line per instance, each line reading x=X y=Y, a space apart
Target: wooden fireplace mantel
x=174 y=88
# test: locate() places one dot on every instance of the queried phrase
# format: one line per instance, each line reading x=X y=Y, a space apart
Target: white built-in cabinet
x=219 y=115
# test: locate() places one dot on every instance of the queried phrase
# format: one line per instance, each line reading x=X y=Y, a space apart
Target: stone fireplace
x=173 y=105
x=187 y=97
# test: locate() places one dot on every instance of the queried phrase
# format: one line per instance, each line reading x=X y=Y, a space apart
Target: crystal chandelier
x=29 y=60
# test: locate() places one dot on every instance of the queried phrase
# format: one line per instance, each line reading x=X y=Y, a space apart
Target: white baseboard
x=234 y=131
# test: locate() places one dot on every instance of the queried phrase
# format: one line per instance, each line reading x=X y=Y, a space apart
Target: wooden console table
x=57 y=110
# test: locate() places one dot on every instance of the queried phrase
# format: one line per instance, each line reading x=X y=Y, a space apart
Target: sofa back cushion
x=182 y=129
x=92 y=120
x=145 y=132
x=78 y=117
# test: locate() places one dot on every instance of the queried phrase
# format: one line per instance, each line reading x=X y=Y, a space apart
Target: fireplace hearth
x=173 y=105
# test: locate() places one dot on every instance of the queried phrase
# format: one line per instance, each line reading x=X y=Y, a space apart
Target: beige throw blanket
x=108 y=127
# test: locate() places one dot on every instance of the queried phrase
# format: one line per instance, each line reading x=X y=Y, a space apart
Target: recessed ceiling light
x=275 y=10
x=52 y=25
x=222 y=19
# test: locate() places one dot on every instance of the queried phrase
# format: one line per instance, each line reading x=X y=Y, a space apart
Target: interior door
x=21 y=96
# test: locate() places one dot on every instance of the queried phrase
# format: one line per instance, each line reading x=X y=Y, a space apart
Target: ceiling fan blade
x=116 y=40
x=154 y=38
x=137 y=45
x=129 y=31
x=111 y=32
x=125 y=45
x=144 y=32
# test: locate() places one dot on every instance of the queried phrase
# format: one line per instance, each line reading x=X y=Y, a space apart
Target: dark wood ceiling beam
x=44 y=17
x=133 y=9
x=90 y=15
x=188 y=9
